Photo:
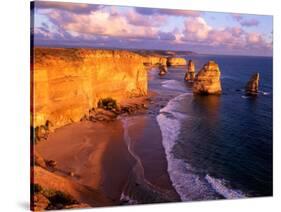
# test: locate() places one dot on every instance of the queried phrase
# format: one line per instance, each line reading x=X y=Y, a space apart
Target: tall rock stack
x=190 y=74
x=253 y=85
x=207 y=81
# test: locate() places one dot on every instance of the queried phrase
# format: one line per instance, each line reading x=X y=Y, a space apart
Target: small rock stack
x=190 y=74
x=252 y=86
x=162 y=70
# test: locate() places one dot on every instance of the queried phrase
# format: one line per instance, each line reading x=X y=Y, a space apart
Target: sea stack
x=207 y=81
x=162 y=70
x=252 y=86
x=190 y=74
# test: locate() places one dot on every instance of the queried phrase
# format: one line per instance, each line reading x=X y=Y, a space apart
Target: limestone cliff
x=155 y=60
x=207 y=81
x=68 y=82
x=176 y=61
x=253 y=85
x=190 y=74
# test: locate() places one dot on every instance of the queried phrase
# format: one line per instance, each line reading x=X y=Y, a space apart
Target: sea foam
x=188 y=183
x=220 y=187
x=173 y=85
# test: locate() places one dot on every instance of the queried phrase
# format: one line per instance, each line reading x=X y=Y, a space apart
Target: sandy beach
x=94 y=152
x=118 y=158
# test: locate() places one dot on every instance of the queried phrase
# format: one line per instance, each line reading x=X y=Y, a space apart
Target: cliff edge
x=67 y=83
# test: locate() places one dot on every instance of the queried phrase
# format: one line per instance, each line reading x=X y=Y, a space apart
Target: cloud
x=249 y=22
x=101 y=23
x=143 y=20
x=245 y=22
x=143 y=28
x=170 y=12
x=169 y=36
x=254 y=38
x=198 y=32
x=237 y=17
x=70 y=7
x=196 y=28
x=189 y=13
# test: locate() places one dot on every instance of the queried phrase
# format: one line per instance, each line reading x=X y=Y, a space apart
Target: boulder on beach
x=190 y=74
x=162 y=70
x=176 y=61
x=253 y=85
x=207 y=81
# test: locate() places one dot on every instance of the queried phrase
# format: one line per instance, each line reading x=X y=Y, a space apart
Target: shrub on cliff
x=108 y=104
x=59 y=197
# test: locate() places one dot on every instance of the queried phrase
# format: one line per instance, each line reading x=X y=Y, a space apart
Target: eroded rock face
x=176 y=61
x=68 y=82
x=40 y=202
x=253 y=85
x=190 y=74
x=162 y=70
x=155 y=60
x=207 y=81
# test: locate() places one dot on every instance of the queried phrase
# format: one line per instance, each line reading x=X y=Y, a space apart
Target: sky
x=101 y=26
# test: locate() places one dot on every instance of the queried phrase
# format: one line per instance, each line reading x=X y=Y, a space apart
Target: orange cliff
x=69 y=82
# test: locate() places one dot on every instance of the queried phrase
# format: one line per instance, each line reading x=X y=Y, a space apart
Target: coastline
x=98 y=155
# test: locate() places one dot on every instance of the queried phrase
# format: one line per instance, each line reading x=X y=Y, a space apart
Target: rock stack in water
x=162 y=70
x=253 y=85
x=207 y=81
x=190 y=74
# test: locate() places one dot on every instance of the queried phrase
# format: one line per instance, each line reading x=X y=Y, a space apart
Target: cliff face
x=155 y=60
x=176 y=61
x=253 y=85
x=69 y=82
x=207 y=81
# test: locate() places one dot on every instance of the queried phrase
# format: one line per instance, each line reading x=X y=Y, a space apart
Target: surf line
x=138 y=169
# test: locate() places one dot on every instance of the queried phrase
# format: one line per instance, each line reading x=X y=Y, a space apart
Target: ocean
x=218 y=146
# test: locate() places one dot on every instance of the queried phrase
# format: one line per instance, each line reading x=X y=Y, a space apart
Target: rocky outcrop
x=190 y=74
x=207 y=81
x=253 y=85
x=38 y=160
x=162 y=70
x=67 y=83
x=176 y=61
x=155 y=60
x=49 y=189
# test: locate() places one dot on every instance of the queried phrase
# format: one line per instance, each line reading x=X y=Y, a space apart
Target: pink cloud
x=196 y=28
x=254 y=38
x=144 y=20
x=198 y=31
x=101 y=23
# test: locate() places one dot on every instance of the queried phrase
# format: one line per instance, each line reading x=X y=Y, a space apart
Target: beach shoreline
x=97 y=155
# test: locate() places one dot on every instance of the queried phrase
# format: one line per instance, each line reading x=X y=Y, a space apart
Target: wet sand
x=94 y=152
x=146 y=144
x=120 y=158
